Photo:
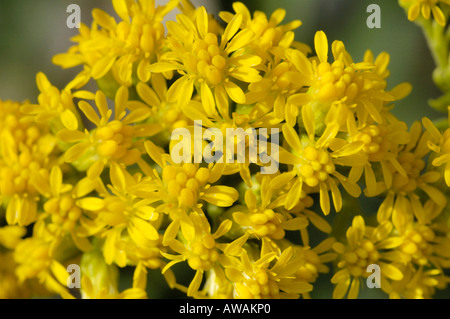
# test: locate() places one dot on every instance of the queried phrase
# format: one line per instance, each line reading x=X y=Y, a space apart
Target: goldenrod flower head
x=100 y=280
x=365 y=246
x=440 y=145
x=184 y=186
x=197 y=245
x=426 y=7
x=315 y=166
x=34 y=260
x=55 y=106
x=113 y=139
x=166 y=114
x=27 y=152
x=269 y=34
x=409 y=179
x=418 y=283
x=358 y=89
x=380 y=145
x=212 y=63
x=125 y=48
x=121 y=213
x=261 y=219
x=270 y=276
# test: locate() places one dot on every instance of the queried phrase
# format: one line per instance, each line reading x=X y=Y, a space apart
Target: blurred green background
x=32 y=32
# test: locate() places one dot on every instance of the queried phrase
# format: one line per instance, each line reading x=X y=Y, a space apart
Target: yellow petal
x=232 y=27
x=235 y=92
x=414 y=11
x=89 y=112
x=321 y=45
x=59 y=272
x=240 y=40
x=56 y=179
x=341 y=289
x=76 y=151
x=91 y=203
x=391 y=271
x=104 y=19
x=324 y=199
x=202 y=21
x=292 y=138
x=145 y=228
x=438 y=15
x=222 y=196
x=354 y=289
x=69 y=120
x=294 y=194
x=242 y=219
x=102 y=67
x=208 y=102
x=295 y=223
x=121 y=8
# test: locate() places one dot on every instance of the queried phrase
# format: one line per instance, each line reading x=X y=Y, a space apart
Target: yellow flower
x=272 y=275
x=34 y=260
x=302 y=209
x=408 y=181
x=246 y=138
x=365 y=246
x=211 y=66
x=440 y=144
x=418 y=283
x=311 y=261
x=197 y=245
x=381 y=145
x=166 y=114
x=260 y=219
x=358 y=89
x=120 y=51
x=425 y=241
x=314 y=166
x=270 y=36
x=11 y=236
x=122 y=214
x=54 y=106
x=100 y=280
x=115 y=137
x=62 y=214
x=426 y=7
x=27 y=150
x=184 y=187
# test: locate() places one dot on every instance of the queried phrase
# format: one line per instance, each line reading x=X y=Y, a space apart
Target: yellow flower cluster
x=89 y=178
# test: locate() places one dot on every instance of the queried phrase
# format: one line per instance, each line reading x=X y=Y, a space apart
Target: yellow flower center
x=64 y=213
x=22 y=133
x=115 y=141
x=413 y=167
x=308 y=265
x=203 y=252
x=183 y=184
x=416 y=244
x=257 y=285
x=316 y=166
x=375 y=146
x=336 y=81
x=141 y=34
x=267 y=223
x=207 y=60
x=357 y=259
x=32 y=256
x=15 y=179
